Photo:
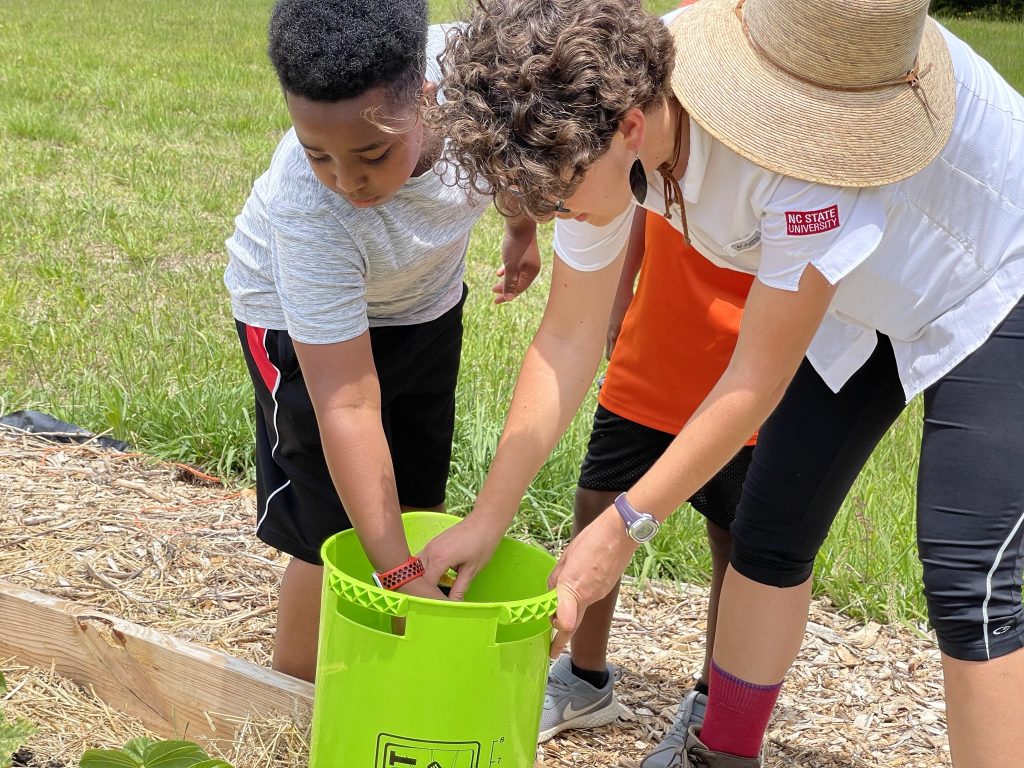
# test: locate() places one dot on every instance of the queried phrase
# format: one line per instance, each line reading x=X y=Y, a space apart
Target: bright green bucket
x=463 y=688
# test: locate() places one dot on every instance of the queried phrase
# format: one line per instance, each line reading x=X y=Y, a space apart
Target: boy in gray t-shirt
x=346 y=282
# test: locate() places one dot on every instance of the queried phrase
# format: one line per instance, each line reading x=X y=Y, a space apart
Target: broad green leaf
x=212 y=763
x=107 y=758
x=173 y=754
x=12 y=736
x=137 y=748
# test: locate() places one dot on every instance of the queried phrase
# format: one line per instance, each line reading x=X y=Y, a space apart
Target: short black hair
x=330 y=50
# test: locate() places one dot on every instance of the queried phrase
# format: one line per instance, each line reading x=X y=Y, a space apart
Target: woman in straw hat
x=868 y=167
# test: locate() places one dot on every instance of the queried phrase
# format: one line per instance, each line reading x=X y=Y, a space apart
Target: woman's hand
x=466 y=548
x=587 y=571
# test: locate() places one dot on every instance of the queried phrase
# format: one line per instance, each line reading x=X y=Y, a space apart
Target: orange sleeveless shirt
x=678 y=334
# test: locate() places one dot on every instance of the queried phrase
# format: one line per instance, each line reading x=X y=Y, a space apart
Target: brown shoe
x=694 y=754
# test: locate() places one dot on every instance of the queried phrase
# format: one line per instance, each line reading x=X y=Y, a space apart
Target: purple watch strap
x=640 y=527
x=626 y=510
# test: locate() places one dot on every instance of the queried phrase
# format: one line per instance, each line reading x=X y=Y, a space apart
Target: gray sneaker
x=695 y=754
x=691 y=712
x=573 y=703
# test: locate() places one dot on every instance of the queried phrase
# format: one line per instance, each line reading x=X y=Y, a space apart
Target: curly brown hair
x=534 y=90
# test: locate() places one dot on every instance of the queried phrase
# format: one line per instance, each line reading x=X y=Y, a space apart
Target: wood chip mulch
x=165 y=546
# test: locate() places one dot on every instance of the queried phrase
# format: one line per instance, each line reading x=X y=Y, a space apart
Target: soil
x=143 y=541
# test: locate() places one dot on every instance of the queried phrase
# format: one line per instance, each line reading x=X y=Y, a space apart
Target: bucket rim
x=369 y=595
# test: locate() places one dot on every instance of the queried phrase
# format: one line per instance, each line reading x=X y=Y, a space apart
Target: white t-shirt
x=302 y=259
x=934 y=262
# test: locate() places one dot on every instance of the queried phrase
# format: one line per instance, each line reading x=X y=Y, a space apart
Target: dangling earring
x=638 y=180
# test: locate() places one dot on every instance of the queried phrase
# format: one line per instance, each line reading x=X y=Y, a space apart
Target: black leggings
x=970 y=497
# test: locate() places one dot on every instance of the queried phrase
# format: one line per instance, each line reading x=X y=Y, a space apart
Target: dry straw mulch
x=162 y=545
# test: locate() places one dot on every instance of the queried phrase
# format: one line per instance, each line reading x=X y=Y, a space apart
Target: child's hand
x=416 y=588
x=520 y=261
x=466 y=548
x=422 y=587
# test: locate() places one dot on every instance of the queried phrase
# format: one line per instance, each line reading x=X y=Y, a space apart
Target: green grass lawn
x=130 y=135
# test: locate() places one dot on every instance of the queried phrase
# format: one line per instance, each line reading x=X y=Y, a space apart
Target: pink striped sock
x=738 y=714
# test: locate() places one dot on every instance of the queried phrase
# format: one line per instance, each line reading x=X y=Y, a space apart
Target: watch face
x=643 y=530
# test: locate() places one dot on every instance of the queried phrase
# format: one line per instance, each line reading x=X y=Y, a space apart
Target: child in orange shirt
x=654 y=383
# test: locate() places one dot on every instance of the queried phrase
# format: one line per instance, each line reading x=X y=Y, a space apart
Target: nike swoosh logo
x=570 y=713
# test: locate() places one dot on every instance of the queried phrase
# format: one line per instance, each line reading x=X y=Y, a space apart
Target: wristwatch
x=640 y=526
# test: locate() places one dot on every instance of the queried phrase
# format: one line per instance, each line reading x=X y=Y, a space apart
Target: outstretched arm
x=556 y=373
x=343 y=386
x=777 y=328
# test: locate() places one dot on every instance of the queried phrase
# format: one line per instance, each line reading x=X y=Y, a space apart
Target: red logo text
x=812 y=222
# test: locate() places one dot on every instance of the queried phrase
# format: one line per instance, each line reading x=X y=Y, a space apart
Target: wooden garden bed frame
x=175 y=688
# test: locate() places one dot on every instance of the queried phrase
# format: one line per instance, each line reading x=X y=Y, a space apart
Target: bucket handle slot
x=531 y=609
x=384 y=601
x=369 y=596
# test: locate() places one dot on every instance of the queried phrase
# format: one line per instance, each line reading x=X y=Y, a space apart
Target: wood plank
x=175 y=688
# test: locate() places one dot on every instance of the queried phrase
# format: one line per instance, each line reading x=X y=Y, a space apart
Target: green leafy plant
x=144 y=752
x=13 y=733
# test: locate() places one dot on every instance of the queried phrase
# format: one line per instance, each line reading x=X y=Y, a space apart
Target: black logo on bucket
x=402 y=752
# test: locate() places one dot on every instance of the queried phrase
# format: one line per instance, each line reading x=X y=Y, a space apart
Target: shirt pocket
x=919 y=272
x=981 y=221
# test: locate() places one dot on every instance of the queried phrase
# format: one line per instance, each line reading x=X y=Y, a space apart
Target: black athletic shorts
x=297 y=506
x=970 y=485
x=621 y=451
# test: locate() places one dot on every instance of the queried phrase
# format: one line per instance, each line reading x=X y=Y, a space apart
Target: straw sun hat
x=854 y=93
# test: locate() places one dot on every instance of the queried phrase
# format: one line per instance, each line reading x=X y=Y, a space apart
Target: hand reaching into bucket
x=589 y=568
x=416 y=588
x=465 y=548
x=422 y=588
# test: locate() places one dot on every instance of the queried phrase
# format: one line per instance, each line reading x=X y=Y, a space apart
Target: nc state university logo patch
x=812 y=222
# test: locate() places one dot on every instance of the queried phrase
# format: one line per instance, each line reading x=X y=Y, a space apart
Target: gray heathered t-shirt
x=302 y=259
